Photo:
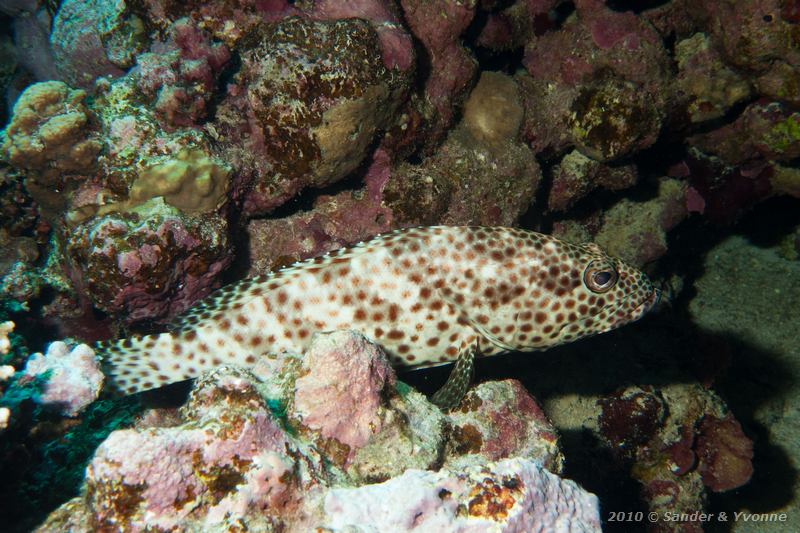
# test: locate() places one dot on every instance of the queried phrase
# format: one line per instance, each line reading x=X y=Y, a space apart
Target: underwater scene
x=400 y=265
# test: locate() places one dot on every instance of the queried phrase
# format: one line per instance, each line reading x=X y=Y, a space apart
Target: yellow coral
x=192 y=182
x=493 y=113
x=48 y=134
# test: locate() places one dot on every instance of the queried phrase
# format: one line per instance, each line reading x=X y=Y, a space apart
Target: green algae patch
x=785 y=134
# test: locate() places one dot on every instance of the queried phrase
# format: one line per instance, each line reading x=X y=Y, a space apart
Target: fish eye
x=599 y=278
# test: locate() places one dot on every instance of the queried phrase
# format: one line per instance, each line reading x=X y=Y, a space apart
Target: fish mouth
x=648 y=304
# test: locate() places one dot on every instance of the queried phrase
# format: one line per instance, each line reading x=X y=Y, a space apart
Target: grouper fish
x=426 y=295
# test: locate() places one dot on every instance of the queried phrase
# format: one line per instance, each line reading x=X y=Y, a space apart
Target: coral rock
x=325 y=400
x=73 y=376
x=601 y=83
x=50 y=133
x=229 y=459
x=710 y=87
x=577 y=175
x=515 y=495
x=724 y=452
x=333 y=222
x=438 y=26
x=315 y=95
x=183 y=77
x=149 y=262
x=285 y=451
x=497 y=420
x=636 y=231
x=95 y=38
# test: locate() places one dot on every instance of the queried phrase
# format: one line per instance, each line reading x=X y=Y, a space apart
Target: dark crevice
x=637 y=6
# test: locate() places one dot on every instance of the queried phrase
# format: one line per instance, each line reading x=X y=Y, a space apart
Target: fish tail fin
x=141 y=363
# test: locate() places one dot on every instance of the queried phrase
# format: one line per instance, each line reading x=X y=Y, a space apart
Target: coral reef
x=239 y=456
x=153 y=148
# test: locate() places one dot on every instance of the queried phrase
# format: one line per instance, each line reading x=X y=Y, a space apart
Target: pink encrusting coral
x=73 y=378
x=514 y=495
x=326 y=401
x=230 y=460
x=500 y=419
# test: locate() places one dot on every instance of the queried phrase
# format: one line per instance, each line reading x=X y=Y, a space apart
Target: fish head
x=585 y=293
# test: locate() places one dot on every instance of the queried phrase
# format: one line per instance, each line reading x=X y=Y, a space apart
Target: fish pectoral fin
x=479 y=328
x=453 y=391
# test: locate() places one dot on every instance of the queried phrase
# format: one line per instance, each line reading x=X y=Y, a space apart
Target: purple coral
x=228 y=460
x=150 y=263
x=183 y=77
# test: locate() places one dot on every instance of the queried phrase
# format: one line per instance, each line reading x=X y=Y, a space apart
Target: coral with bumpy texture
x=709 y=87
x=336 y=221
x=678 y=438
x=577 y=175
x=148 y=262
x=50 y=134
x=182 y=78
x=5 y=328
x=636 y=231
x=73 y=377
x=135 y=139
x=600 y=84
x=438 y=25
x=229 y=459
x=95 y=38
x=260 y=453
x=192 y=182
x=500 y=419
x=481 y=175
x=314 y=95
x=325 y=401
x=509 y=496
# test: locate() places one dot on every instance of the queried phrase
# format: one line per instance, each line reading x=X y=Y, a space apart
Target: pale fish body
x=427 y=295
